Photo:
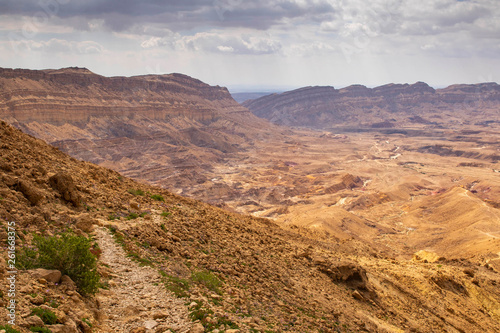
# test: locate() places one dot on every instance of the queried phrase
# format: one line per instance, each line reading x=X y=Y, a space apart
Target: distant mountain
x=388 y=106
x=149 y=127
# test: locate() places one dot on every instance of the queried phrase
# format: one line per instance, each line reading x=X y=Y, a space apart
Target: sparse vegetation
x=136 y=192
x=113 y=217
x=166 y=214
x=178 y=286
x=8 y=329
x=209 y=280
x=86 y=321
x=48 y=317
x=67 y=253
x=40 y=329
x=157 y=197
x=133 y=216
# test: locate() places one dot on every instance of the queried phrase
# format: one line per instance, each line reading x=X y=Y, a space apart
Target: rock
x=150 y=324
x=33 y=321
x=68 y=283
x=357 y=295
x=469 y=272
x=138 y=330
x=64 y=184
x=349 y=273
x=68 y=327
x=29 y=190
x=134 y=205
x=52 y=276
x=197 y=328
x=160 y=315
x=38 y=300
x=85 y=223
x=426 y=256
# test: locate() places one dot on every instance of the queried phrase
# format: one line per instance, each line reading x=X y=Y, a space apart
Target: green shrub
x=176 y=285
x=40 y=329
x=208 y=279
x=48 y=317
x=113 y=217
x=136 y=192
x=166 y=214
x=157 y=197
x=67 y=253
x=86 y=321
x=132 y=216
x=9 y=329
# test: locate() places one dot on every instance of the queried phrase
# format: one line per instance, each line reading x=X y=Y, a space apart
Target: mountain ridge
x=322 y=107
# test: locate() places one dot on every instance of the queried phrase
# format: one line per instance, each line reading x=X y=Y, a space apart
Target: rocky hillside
x=232 y=273
x=390 y=106
x=147 y=127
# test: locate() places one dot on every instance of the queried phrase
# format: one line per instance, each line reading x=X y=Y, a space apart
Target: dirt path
x=136 y=300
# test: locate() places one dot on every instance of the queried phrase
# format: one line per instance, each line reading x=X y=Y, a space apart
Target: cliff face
x=148 y=127
x=391 y=105
x=76 y=95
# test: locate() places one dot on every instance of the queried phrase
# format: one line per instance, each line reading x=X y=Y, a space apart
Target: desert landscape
x=313 y=210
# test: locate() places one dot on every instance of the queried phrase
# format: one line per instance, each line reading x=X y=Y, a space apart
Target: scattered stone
x=357 y=295
x=134 y=205
x=33 y=321
x=160 y=315
x=38 y=300
x=150 y=324
x=197 y=328
x=426 y=256
x=469 y=272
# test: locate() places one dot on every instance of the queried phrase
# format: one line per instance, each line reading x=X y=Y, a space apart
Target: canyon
x=398 y=178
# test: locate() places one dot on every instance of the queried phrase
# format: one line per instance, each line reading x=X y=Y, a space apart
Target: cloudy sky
x=262 y=44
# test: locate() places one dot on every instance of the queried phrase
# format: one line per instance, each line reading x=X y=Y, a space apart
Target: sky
x=260 y=45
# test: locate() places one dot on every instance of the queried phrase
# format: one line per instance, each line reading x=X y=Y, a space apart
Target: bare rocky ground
x=136 y=300
x=234 y=273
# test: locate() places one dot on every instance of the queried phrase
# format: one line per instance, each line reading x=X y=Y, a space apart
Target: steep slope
x=233 y=270
x=147 y=127
x=390 y=106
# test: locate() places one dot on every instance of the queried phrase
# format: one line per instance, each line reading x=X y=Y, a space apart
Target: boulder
x=50 y=275
x=197 y=328
x=85 y=223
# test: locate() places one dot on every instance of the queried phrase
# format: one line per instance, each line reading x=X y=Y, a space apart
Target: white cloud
x=63 y=46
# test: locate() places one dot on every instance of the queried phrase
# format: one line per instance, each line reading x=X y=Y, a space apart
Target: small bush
x=136 y=192
x=176 y=285
x=48 y=317
x=209 y=280
x=113 y=217
x=132 y=216
x=157 y=197
x=86 y=321
x=166 y=214
x=40 y=329
x=9 y=329
x=67 y=253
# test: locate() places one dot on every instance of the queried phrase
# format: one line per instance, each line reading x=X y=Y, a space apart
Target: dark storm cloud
x=119 y=15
